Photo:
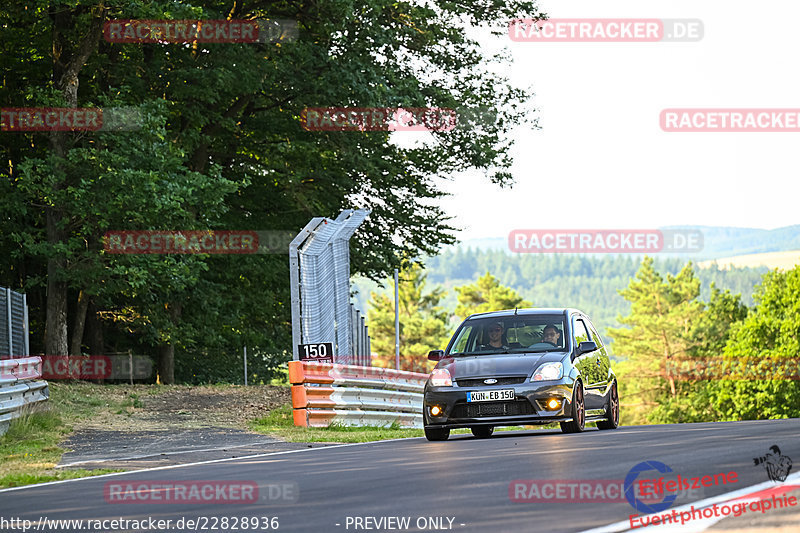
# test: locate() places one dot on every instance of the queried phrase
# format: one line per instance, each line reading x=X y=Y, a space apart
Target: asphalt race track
x=462 y=484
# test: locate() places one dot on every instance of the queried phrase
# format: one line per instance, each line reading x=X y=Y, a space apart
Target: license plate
x=490 y=395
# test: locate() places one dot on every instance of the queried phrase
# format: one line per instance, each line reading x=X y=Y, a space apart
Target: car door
x=583 y=362
x=604 y=368
x=589 y=365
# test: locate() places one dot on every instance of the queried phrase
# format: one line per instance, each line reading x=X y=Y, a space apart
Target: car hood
x=479 y=366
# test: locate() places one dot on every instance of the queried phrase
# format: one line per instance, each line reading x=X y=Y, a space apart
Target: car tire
x=437 y=433
x=482 y=432
x=578 y=408
x=612 y=410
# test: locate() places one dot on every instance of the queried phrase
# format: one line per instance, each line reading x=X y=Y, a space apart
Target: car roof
x=527 y=311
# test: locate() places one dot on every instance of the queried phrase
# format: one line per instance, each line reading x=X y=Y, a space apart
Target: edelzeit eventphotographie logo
x=776 y=464
x=667 y=489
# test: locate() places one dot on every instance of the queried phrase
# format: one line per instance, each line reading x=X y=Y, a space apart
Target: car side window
x=581 y=334
x=595 y=336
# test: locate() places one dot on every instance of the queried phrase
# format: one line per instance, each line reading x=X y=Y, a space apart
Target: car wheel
x=482 y=432
x=576 y=425
x=612 y=410
x=437 y=433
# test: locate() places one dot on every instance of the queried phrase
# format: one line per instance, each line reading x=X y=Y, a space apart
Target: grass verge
x=279 y=423
x=29 y=451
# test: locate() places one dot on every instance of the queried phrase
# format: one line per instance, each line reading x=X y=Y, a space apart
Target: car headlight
x=548 y=372
x=440 y=377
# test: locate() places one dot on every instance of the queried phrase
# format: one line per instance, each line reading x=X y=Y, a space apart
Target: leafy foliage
x=771 y=334
x=487 y=294
x=219 y=145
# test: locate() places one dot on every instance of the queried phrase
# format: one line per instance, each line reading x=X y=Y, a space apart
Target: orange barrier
x=325 y=394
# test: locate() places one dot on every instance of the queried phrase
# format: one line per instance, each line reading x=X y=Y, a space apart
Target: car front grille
x=479 y=409
x=478 y=382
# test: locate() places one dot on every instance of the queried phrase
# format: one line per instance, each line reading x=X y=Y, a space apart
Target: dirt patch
x=170 y=407
x=139 y=426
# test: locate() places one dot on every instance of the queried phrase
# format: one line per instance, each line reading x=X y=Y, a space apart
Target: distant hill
x=590 y=282
x=719 y=241
x=781 y=260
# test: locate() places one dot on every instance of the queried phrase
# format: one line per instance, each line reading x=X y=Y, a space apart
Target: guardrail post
x=26 y=326
x=9 y=323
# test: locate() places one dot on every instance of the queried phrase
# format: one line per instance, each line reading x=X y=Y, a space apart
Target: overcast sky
x=599 y=106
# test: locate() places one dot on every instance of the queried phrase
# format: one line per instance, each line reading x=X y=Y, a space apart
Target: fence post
x=9 y=324
x=245 y=366
x=396 y=321
x=26 y=325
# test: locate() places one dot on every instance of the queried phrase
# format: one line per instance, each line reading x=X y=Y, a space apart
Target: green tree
x=221 y=146
x=423 y=324
x=709 y=335
x=768 y=340
x=658 y=329
x=487 y=294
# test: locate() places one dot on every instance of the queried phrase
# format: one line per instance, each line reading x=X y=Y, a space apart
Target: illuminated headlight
x=548 y=372
x=436 y=411
x=440 y=377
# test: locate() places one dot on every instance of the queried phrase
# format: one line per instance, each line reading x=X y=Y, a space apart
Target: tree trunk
x=67 y=64
x=94 y=333
x=166 y=364
x=77 y=326
x=166 y=352
x=56 y=327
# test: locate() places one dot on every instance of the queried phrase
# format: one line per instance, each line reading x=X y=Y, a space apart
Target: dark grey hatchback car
x=523 y=366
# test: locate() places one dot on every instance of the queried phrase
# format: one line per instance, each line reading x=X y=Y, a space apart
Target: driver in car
x=496 y=337
x=551 y=335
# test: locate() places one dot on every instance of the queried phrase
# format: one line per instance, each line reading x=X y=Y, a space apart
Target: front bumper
x=528 y=408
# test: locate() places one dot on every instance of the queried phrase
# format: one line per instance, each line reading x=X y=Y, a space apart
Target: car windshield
x=509 y=334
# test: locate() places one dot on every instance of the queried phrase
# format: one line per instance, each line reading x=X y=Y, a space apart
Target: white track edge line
x=11 y=489
x=176 y=452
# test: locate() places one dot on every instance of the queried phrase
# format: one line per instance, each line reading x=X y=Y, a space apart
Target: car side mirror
x=587 y=346
x=436 y=355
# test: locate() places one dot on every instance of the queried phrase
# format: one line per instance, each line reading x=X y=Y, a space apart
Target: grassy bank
x=279 y=424
x=30 y=450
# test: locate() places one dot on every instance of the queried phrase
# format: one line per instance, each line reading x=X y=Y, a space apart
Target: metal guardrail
x=20 y=386
x=326 y=394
